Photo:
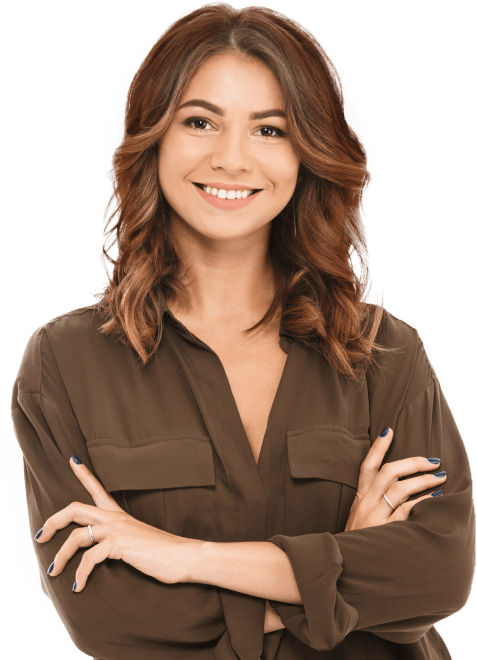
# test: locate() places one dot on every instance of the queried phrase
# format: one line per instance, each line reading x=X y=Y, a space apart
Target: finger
x=402 y=512
x=387 y=480
x=373 y=461
x=90 y=558
x=400 y=491
x=83 y=514
x=95 y=488
x=79 y=538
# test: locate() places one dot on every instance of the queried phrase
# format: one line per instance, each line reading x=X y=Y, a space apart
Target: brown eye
x=278 y=132
x=195 y=120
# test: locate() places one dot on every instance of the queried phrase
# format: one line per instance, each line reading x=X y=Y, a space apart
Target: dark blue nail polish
x=74 y=586
x=439 y=474
x=51 y=567
x=434 y=460
x=437 y=493
x=76 y=459
x=38 y=534
x=384 y=432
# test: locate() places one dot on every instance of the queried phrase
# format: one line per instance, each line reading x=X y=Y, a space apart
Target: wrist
x=198 y=559
x=272 y=621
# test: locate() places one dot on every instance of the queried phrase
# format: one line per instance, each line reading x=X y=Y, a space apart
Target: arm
x=258 y=568
x=272 y=621
x=122 y=610
x=394 y=580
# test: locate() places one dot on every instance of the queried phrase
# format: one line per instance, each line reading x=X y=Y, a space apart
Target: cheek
x=284 y=167
x=177 y=155
x=181 y=150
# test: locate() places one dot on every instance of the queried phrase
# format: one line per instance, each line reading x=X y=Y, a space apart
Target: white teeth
x=227 y=194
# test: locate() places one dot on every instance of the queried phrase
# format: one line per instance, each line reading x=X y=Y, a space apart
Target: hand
x=369 y=507
x=272 y=620
x=118 y=535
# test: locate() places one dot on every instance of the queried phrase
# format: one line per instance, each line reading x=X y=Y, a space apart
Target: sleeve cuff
x=325 y=618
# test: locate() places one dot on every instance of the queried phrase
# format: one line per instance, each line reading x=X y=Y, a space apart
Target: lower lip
x=227 y=204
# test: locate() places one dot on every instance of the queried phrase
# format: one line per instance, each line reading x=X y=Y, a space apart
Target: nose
x=231 y=152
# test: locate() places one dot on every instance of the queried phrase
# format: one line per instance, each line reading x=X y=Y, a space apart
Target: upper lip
x=226 y=186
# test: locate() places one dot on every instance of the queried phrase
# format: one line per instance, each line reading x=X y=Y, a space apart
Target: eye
x=193 y=120
x=279 y=133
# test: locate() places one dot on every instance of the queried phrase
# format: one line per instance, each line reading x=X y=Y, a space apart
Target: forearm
x=272 y=621
x=257 y=568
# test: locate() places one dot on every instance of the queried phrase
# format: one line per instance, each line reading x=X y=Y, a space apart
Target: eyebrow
x=219 y=111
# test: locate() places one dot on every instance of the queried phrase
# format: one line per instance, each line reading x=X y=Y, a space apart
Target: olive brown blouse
x=167 y=441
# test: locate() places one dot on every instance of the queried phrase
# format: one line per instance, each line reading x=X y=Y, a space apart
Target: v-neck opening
x=271 y=412
x=188 y=335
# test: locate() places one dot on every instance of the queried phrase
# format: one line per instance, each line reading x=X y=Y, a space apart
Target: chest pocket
x=166 y=481
x=323 y=474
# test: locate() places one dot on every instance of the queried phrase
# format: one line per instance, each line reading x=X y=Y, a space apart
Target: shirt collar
x=181 y=328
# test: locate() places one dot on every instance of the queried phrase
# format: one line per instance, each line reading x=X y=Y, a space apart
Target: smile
x=223 y=199
x=226 y=194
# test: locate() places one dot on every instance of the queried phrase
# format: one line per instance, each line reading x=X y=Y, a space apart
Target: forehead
x=237 y=83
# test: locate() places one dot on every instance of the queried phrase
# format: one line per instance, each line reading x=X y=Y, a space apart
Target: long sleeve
x=122 y=613
x=394 y=580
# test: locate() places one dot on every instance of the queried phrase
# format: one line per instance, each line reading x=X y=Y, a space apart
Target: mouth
x=220 y=193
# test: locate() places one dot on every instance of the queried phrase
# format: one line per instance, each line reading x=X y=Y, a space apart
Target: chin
x=222 y=228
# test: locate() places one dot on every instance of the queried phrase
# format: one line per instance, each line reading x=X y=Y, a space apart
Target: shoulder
x=394 y=332
x=65 y=327
x=68 y=330
x=403 y=362
x=78 y=325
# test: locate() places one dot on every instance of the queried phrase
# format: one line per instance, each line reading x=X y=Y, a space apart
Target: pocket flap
x=327 y=452
x=158 y=463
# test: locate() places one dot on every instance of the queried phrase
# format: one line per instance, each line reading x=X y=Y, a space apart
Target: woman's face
x=224 y=145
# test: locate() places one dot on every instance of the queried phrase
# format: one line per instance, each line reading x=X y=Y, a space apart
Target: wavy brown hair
x=311 y=239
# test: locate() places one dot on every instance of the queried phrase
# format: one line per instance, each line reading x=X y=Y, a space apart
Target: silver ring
x=384 y=495
x=90 y=530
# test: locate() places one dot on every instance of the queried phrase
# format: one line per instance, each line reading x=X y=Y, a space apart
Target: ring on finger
x=90 y=530
x=385 y=497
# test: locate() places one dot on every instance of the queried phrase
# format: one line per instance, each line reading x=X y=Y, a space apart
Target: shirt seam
x=188 y=362
x=431 y=384
x=225 y=467
x=412 y=373
x=60 y=375
x=47 y=398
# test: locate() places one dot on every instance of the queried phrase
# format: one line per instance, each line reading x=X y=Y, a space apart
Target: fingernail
x=439 y=474
x=38 y=534
x=51 y=567
x=384 y=432
x=437 y=493
x=74 y=586
x=76 y=459
x=434 y=460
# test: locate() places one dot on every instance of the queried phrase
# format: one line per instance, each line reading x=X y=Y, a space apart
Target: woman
x=231 y=420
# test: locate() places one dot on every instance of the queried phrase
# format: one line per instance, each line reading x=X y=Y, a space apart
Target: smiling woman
x=230 y=436
x=265 y=166
x=252 y=102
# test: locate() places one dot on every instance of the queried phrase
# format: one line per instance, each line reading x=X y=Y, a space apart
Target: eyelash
x=191 y=120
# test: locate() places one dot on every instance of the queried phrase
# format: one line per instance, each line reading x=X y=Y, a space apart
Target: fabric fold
x=325 y=617
x=397 y=579
x=122 y=612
